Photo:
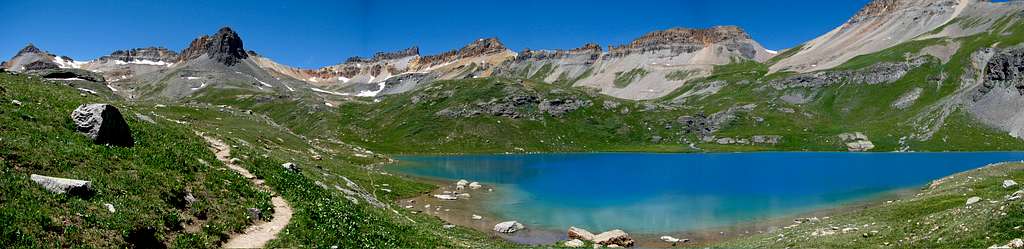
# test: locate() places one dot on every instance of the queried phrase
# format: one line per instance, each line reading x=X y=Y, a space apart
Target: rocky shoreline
x=464 y=206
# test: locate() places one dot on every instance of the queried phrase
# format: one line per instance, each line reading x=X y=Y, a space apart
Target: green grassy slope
x=937 y=217
x=146 y=183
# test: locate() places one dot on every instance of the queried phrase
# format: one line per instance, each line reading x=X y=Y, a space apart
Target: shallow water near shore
x=660 y=193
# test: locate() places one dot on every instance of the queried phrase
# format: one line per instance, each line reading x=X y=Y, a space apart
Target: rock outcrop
x=225 y=47
x=580 y=233
x=686 y=40
x=63 y=185
x=103 y=124
x=856 y=141
x=149 y=54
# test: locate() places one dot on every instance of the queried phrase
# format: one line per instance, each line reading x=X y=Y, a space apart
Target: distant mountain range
x=884 y=42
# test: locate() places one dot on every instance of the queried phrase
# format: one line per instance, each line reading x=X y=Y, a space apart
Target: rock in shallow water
x=614 y=237
x=103 y=124
x=580 y=233
x=508 y=227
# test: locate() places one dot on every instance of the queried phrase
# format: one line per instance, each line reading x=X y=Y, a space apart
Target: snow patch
x=144 y=62
x=192 y=78
x=771 y=51
x=327 y=92
x=373 y=93
x=201 y=86
x=342 y=79
x=87 y=90
x=111 y=87
x=68 y=64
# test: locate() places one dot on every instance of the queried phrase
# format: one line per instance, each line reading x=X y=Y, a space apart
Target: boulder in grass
x=103 y=124
x=64 y=185
x=290 y=167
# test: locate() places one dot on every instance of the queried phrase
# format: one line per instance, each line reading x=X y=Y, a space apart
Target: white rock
x=461 y=183
x=580 y=233
x=477 y=217
x=16 y=102
x=474 y=185
x=448 y=226
x=1009 y=183
x=669 y=239
x=508 y=227
x=446 y=197
x=573 y=243
x=464 y=195
x=973 y=200
x=63 y=185
x=110 y=207
x=614 y=237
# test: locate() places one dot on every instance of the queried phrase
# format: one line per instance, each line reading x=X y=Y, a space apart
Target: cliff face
x=225 y=47
x=157 y=54
x=476 y=48
x=685 y=40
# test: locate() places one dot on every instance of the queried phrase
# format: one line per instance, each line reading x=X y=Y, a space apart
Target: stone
x=973 y=200
x=673 y=240
x=461 y=183
x=1016 y=243
x=508 y=227
x=574 y=243
x=254 y=213
x=580 y=233
x=16 y=102
x=446 y=197
x=290 y=167
x=1009 y=183
x=477 y=217
x=110 y=207
x=448 y=226
x=475 y=185
x=103 y=124
x=861 y=145
x=614 y=237
x=64 y=185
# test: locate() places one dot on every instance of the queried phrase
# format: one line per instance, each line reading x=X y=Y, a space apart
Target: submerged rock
x=508 y=227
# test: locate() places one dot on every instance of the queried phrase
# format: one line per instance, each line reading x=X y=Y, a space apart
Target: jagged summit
x=225 y=47
x=482 y=46
x=686 y=36
x=29 y=48
x=389 y=55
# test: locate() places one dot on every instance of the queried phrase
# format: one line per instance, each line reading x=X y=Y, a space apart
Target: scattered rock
x=766 y=139
x=580 y=233
x=673 y=240
x=1009 y=183
x=291 y=167
x=16 y=102
x=475 y=185
x=103 y=124
x=574 y=243
x=973 y=200
x=446 y=197
x=144 y=118
x=110 y=207
x=448 y=226
x=477 y=217
x=64 y=185
x=614 y=237
x=856 y=141
x=235 y=160
x=254 y=213
x=508 y=227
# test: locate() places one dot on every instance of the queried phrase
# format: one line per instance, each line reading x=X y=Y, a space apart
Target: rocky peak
x=589 y=47
x=225 y=47
x=30 y=48
x=379 y=56
x=878 y=8
x=481 y=46
x=149 y=53
x=686 y=36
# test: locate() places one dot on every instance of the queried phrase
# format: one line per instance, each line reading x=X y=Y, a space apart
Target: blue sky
x=319 y=33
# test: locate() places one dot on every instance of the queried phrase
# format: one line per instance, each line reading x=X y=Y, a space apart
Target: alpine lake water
x=654 y=193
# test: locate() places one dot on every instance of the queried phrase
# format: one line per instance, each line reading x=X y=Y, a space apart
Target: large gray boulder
x=614 y=237
x=103 y=124
x=508 y=227
x=63 y=185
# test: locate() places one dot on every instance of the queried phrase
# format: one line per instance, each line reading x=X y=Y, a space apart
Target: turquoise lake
x=650 y=193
